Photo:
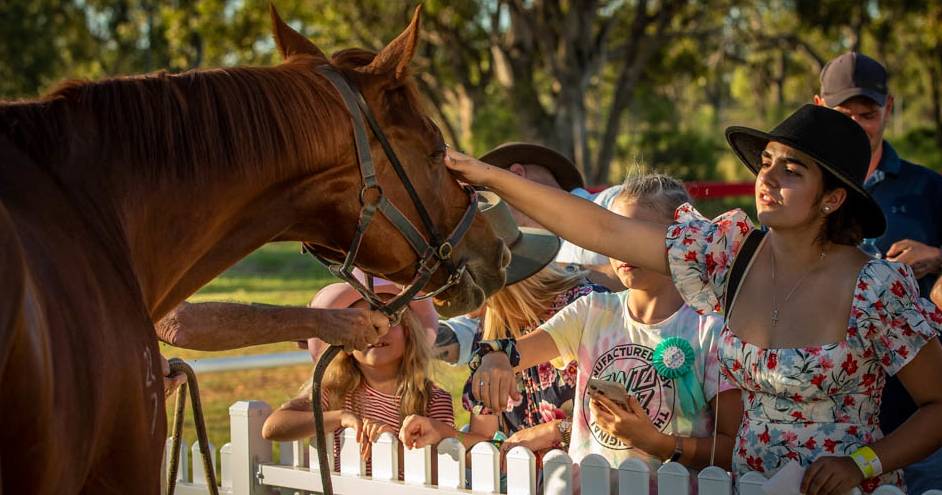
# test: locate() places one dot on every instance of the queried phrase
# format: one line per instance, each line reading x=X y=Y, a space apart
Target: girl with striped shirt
x=371 y=391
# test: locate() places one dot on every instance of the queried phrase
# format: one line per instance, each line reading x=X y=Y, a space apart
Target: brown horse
x=120 y=198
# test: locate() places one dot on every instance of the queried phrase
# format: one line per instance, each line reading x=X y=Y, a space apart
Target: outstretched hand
x=352 y=328
x=468 y=169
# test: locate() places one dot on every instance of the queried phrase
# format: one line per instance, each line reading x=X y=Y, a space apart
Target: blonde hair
x=343 y=375
x=661 y=192
x=516 y=308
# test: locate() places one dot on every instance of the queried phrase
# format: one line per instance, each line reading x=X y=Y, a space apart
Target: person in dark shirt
x=911 y=198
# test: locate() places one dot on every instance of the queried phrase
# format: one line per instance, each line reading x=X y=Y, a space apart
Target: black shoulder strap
x=746 y=252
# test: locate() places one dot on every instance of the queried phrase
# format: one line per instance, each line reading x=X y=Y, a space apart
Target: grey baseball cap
x=853 y=74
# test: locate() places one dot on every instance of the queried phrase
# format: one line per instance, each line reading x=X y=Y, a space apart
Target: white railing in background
x=250 y=362
x=247 y=469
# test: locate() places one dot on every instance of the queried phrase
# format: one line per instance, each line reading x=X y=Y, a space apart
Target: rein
x=177 y=364
x=433 y=252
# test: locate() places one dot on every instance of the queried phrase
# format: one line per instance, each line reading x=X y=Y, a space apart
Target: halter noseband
x=432 y=253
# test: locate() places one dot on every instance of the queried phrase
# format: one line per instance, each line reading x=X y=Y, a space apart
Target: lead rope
x=179 y=365
x=317 y=407
x=327 y=487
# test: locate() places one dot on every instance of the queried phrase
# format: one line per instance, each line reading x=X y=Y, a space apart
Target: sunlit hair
x=661 y=192
x=343 y=376
x=522 y=306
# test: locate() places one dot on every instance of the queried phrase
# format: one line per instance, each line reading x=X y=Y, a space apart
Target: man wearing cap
x=911 y=199
x=910 y=195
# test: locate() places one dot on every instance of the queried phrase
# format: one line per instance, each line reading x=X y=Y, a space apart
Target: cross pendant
x=774 y=317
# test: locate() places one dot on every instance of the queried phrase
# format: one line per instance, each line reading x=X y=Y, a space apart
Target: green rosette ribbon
x=673 y=360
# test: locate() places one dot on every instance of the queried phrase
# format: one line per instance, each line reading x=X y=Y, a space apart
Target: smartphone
x=611 y=390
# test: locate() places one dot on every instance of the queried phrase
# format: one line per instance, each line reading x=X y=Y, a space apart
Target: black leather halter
x=432 y=252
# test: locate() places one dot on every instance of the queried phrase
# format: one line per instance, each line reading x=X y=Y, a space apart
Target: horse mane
x=238 y=118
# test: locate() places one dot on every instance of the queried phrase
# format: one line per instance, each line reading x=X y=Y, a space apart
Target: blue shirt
x=911 y=198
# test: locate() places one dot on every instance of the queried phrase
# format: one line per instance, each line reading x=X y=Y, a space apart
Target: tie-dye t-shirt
x=598 y=332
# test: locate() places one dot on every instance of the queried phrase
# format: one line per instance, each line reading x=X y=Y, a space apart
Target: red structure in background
x=709 y=190
x=715 y=190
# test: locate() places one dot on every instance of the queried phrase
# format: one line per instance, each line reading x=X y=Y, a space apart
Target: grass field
x=274 y=274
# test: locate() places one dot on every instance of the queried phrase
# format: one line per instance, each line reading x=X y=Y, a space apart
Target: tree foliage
x=613 y=83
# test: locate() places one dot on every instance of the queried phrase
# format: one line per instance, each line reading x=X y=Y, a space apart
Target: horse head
x=384 y=80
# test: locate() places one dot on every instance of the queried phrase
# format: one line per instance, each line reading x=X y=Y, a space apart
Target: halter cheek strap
x=432 y=252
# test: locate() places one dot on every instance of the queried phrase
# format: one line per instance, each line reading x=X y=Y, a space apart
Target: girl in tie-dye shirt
x=648 y=341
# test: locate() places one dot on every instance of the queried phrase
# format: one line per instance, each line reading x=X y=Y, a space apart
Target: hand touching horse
x=120 y=198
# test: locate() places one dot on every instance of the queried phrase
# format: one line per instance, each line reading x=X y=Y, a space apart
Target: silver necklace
x=775 y=307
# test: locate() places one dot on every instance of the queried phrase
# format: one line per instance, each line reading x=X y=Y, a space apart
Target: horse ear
x=395 y=57
x=289 y=41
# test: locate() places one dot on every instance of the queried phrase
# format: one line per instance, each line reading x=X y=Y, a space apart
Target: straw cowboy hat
x=341 y=295
x=531 y=248
x=837 y=143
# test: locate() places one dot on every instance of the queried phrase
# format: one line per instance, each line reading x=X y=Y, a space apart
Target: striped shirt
x=368 y=403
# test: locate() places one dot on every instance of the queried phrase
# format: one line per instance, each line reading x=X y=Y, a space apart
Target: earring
x=827 y=209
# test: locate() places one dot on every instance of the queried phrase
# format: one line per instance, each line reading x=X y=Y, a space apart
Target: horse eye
x=437 y=155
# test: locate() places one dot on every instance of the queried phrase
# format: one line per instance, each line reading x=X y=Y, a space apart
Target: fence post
x=451 y=464
x=183 y=466
x=351 y=463
x=164 y=465
x=751 y=483
x=673 y=478
x=557 y=473
x=386 y=458
x=417 y=464
x=248 y=447
x=485 y=468
x=634 y=477
x=225 y=461
x=595 y=474
x=299 y=453
x=199 y=475
x=329 y=446
x=521 y=471
x=714 y=481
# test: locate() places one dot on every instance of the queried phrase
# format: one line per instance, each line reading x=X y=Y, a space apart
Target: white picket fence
x=248 y=469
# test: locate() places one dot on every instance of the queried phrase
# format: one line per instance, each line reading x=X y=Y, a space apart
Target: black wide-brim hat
x=835 y=141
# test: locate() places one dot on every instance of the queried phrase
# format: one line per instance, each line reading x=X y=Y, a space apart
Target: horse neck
x=187 y=173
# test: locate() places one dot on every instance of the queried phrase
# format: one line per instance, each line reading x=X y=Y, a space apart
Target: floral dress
x=803 y=403
x=547 y=392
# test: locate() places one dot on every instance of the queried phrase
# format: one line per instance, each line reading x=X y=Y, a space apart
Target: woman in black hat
x=816 y=323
